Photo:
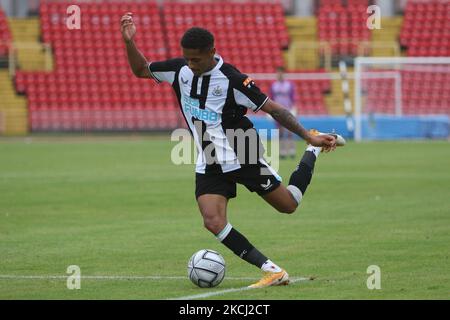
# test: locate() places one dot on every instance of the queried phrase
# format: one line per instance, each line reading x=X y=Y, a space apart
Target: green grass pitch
x=121 y=208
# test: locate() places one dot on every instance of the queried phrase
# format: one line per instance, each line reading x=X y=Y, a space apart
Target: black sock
x=301 y=177
x=239 y=244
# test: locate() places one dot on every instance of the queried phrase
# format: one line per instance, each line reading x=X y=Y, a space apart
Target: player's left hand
x=327 y=142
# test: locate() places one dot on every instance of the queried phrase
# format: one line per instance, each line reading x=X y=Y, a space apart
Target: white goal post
x=435 y=71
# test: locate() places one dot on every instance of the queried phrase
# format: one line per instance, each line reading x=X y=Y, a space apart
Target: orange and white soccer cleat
x=272 y=279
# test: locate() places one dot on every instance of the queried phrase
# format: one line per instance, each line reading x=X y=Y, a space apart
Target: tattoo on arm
x=287 y=120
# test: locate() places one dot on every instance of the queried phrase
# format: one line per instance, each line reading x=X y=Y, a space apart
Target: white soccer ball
x=206 y=268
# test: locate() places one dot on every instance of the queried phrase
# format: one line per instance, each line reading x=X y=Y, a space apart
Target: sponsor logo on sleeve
x=248 y=82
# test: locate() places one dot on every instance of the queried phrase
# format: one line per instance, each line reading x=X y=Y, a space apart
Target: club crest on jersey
x=217 y=91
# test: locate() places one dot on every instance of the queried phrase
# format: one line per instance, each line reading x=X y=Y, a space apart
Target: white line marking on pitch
x=220 y=292
x=60 y=277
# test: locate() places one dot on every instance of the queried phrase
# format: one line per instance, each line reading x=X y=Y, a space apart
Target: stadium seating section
x=5 y=34
x=426 y=28
x=251 y=36
x=425 y=32
x=343 y=26
x=93 y=88
x=309 y=94
x=424 y=90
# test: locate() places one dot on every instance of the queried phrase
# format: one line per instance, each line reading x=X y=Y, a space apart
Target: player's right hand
x=127 y=27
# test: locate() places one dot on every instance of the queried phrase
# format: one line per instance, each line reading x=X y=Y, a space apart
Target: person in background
x=282 y=91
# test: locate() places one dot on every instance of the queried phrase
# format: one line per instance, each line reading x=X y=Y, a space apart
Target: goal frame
x=361 y=62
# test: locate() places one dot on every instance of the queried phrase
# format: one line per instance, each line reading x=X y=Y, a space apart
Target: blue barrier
x=375 y=127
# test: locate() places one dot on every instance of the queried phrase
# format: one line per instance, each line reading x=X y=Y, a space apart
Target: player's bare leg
x=213 y=208
x=281 y=199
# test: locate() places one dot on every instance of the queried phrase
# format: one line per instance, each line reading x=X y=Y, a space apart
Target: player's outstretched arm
x=136 y=59
x=287 y=120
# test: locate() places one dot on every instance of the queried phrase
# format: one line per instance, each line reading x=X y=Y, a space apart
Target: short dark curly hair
x=197 y=38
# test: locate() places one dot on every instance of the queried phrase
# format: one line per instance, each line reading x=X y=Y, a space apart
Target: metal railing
x=365 y=48
x=320 y=48
x=323 y=50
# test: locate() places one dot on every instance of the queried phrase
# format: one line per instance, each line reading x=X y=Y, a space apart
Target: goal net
x=401 y=97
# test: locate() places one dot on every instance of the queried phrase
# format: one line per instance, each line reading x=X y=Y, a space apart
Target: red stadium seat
x=343 y=26
x=425 y=23
x=5 y=34
x=220 y=16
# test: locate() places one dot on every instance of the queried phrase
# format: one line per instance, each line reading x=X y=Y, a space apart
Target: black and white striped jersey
x=213 y=105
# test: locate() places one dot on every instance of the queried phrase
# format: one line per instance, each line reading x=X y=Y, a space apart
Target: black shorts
x=259 y=178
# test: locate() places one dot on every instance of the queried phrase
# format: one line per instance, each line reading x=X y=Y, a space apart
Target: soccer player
x=282 y=91
x=213 y=97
